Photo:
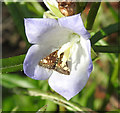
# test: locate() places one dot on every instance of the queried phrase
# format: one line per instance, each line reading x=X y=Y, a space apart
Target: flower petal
x=74 y=23
x=35 y=28
x=56 y=37
x=70 y=85
x=30 y=65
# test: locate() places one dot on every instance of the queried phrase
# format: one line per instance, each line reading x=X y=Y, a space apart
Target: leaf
x=36 y=8
x=42 y=110
x=105 y=32
x=12 y=64
x=110 y=56
x=6 y=84
x=24 y=11
x=55 y=10
x=92 y=15
x=14 y=80
x=106 y=49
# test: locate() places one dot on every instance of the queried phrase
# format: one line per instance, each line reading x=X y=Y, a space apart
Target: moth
x=53 y=62
x=67 y=7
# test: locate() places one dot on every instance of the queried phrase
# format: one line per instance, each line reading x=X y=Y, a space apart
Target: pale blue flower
x=67 y=35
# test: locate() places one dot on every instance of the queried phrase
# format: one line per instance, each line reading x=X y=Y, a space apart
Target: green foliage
x=80 y=6
x=56 y=11
x=57 y=99
x=36 y=8
x=92 y=15
x=105 y=32
x=107 y=49
x=43 y=109
x=18 y=81
x=12 y=64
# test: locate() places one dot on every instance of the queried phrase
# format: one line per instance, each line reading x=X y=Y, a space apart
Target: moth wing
x=49 y=61
x=53 y=62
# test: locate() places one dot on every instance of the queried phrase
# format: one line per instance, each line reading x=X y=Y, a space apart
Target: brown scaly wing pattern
x=53 y=62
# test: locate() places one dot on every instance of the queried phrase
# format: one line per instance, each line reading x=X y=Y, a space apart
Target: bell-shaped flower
x=61 y=53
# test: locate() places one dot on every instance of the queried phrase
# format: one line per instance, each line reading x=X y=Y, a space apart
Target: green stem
x=106 y=49
x=57 y=99
x=92 y=15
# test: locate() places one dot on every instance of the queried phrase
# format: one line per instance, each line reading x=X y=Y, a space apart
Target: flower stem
x=55 y=98
x=92 y=15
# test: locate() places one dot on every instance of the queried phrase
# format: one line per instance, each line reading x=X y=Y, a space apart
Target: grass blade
x=106 y=49
x=105 y=32
x=92 y=15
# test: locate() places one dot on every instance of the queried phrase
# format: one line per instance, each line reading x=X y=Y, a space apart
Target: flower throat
x=57 y=60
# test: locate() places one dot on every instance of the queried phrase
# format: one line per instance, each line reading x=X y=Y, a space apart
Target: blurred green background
x=101 y=91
